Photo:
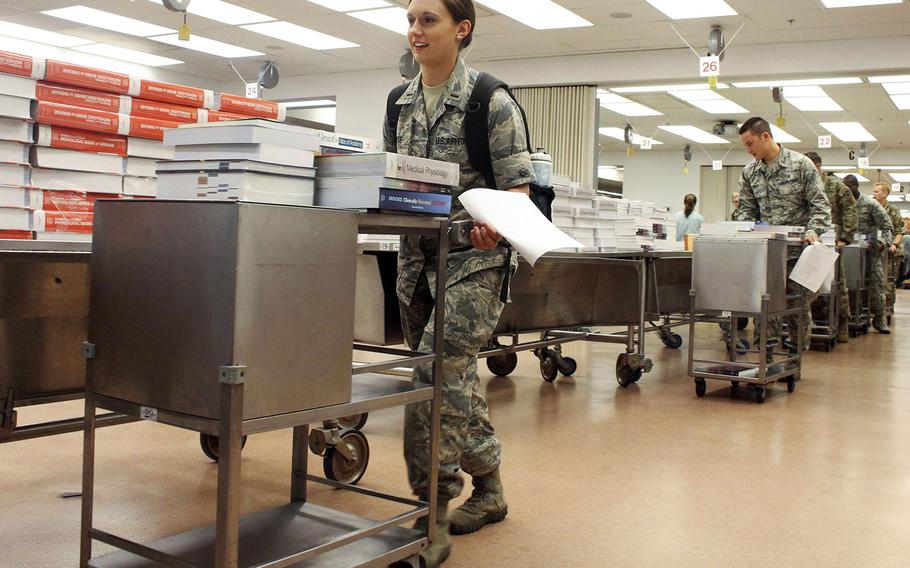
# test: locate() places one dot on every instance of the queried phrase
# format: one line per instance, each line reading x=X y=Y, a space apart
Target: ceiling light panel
x=848 y=131
x=299 y=35
x=859 y=178
x=901 y=178
x=667 y=88
x=890 y=79
x=210 y=46
x=676 y=10
x=709 y=101
x=799 y=82
x=620 y=134
x=897 y=88
x=694 y=134
x=853 y=3
x=624 y=106
x=108 y=21
x=224 y=12
x=124 y=54
x=38 y=35
x=810 y=98
x=538 y=14
x=781 y=135
x=392 y=19
x=351 y=5
x=309 y=104
x=902 y=102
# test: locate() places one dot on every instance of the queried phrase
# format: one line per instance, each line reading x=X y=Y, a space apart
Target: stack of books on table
x=387 y=182
x=245 y=160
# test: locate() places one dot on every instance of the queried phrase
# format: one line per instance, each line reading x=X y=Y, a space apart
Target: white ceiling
x=500 y=38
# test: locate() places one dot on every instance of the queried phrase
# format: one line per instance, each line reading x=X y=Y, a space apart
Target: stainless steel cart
x=231 y=319
x=826 y=313
x=743 y=277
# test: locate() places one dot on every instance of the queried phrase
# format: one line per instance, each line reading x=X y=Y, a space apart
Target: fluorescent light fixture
x=897 y=88
x=309 y=104
x=694 y=134
x=131 y=55
x=667 y=88
x=210 y=46
x=781 y=135
x=392 y=19
x=292 y=33
x=828 y=168
x=611 y=173
x=38 y=35
x=351 y=5
x=900 y=178
x=890 y=79
x=859 y=178
x=620 y=134
x=624 y=106
x=902 y=102
x=709 y=101
x=676 y=10
x=895 y=198
x=810 y=98
x=108 y=21
x=538 y=14
x=852 y=3
x=225 y=12
x=848 y=131
x=799 y=82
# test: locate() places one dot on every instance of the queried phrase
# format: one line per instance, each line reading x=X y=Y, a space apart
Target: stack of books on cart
x=246 y=160
x=386 y=181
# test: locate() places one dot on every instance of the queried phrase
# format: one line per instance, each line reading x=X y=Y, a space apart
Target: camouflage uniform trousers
x=891 y=291
x=820 y=308
x=774 y=324
x=875 y=277
x=467 y=440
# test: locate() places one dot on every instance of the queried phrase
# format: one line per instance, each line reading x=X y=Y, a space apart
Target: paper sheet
x=516 y=218
x=814 y=266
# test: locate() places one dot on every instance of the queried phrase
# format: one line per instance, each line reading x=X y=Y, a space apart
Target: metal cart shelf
x=268 y=342
x=856 y=260
x=826 y=312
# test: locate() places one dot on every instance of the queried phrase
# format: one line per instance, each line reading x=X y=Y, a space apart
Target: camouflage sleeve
x=849 y=212
x=819 y=208
x=508 y=143
x=897 y=223
x=748 y=205
x=882 y=221
x=389 y=139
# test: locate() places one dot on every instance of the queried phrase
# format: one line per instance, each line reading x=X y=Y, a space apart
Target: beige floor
x=596 y=475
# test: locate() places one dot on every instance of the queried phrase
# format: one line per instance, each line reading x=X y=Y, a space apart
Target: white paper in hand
x=516 y=218
x=813 y=266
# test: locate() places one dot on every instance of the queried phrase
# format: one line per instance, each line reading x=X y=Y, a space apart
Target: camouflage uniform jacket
x=897 y=223
x=785 y=191
x=736 y=215
x=844 y=215
x=441 y=136
x=872 y=219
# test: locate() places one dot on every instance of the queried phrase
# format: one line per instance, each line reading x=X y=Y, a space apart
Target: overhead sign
x=717 y=165
x=252 y=90
x=824 y=141
x=709 y=66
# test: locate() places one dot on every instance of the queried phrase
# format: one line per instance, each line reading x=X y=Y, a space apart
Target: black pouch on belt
x=506 y=277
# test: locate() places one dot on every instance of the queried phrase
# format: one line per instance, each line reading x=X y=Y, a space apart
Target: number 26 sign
x=709 y=66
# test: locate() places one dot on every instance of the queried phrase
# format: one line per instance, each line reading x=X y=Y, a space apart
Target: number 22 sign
x=709 y=66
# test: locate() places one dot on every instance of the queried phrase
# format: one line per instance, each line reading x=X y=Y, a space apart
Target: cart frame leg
x=227 y=518
x=299 y=455
x=88 y=481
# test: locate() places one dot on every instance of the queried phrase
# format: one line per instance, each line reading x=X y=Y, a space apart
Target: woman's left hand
x=484 y=237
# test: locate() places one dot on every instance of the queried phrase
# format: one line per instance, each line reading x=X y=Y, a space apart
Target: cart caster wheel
x=673 y=340
x=734 y=386
x=209 y=444
x=791 y=384
x=742 y=323
x=339 y=468
x=567 y=366
x=354 y=422
x=625 y=374
x=701 y=387
x=760 y=395
x=502 y=365
x=549 y=366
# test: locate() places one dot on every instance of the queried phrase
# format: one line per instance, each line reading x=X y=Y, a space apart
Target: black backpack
x=477 y=136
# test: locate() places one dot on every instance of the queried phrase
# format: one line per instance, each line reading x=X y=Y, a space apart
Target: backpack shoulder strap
x=393 y=111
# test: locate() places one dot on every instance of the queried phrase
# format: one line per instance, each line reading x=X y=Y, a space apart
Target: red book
x=70 y=201
x=175 y=94
x=17 y=235
x=22 y=65
x=79 y=97
x=64 y=222
x=221 y=116
x=141 y=127
x=82 y=140
x=164 y=111
x=82 y=118
x=90 y=78
x=250 y=107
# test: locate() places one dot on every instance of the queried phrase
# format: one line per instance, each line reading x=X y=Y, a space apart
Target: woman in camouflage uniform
x=431 y=125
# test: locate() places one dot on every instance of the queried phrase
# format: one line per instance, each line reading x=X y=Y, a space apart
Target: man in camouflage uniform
x=782 y=187
x=735 y=214
x=472 y=300
x=875 y=226
x=844 y=217
x=882 y=191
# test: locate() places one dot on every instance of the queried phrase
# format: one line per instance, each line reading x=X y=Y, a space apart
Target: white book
x=390 y=165
x=91 y=182
x=143 y=186
x=242 y=186
x=23 y=87
x=234 y=165
x=66 y=237
x=140 y=167
x=14 y=152
x=254 y=152
x=147 y=148
x=20 y=197
x=13 y=219
x=15 y=107
x=63 y=159
x=14 y=174
x=561 y=211
x=17 y=130
x=255 y=131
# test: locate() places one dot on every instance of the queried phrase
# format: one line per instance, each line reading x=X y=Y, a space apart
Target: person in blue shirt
x=688 y=222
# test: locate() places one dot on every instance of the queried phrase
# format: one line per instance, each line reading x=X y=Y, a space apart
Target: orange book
x=90 y=78
x=70 y=201
x=82 y=118
x=221 y=116
x=81 y=140
x=141 y=127
x=17 y=235
x=64 y=222
x=250 y=107
x=22 y=65
x=164 y=111
x=79 y=97
x=175 y=94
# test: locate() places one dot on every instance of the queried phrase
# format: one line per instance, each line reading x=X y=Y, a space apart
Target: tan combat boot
x=486 y=505
x=843 y=331
x=440 y=549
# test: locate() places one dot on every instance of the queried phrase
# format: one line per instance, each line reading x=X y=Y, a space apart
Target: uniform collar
x=455 y=94
x=780 y=161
